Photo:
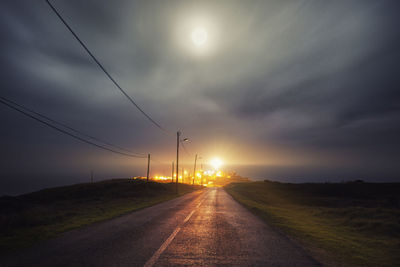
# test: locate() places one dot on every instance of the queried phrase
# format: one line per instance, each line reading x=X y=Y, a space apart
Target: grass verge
x=29 y=218
x=348 y=224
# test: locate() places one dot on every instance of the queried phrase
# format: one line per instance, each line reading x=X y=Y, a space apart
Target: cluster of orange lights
x=162 y=178
x=207 y=178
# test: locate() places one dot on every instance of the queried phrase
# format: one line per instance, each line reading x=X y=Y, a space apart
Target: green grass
x=348 y=224
x=27 y=219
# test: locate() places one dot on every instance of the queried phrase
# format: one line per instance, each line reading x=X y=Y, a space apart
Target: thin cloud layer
x=282 y=84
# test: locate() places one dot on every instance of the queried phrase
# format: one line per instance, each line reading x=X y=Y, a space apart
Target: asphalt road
x=205 y=228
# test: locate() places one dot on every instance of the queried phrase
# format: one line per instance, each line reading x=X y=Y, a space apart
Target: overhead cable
x=66 y=132
x=105 y=71
x=69 y=127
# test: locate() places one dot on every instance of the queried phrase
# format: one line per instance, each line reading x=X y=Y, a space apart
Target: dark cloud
x=310 y=83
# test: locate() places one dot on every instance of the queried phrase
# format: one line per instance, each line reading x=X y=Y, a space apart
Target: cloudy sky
x=285 y=90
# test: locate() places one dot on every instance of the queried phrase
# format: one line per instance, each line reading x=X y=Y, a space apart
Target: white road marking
x=158 y=253
x=188 y=217
x=166 y=243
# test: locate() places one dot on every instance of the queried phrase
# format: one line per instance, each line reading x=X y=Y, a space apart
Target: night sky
x=286 y=90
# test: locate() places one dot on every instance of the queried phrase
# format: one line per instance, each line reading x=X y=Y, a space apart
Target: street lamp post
x=172 y=174
x=148 y=167
x=194 y=169
x=178 y=135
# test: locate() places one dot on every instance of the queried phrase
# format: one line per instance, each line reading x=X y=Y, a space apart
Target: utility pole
x=194 y=169
x=172 y=174
x=148 y=167
x=201 y=167
x=91 y=176
x=178 y=134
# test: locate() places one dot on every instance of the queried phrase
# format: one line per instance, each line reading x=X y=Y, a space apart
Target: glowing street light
x=216 y=163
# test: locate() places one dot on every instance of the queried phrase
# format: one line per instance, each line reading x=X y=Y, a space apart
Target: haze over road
x=206 y=228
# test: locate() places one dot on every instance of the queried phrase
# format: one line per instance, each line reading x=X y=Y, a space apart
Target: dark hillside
x=31 y=217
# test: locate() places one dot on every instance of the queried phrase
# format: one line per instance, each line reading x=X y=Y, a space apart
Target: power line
x=156 y=161
x=105 y=71
x=66 y=132
x=69 y=127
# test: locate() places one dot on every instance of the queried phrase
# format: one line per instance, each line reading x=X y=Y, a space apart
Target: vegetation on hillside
x=40 y=215
x=346 y=224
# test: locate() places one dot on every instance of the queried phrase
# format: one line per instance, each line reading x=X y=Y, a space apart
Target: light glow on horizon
x=216 y=163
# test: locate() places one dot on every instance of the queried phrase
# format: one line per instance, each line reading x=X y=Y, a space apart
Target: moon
x=199 y=36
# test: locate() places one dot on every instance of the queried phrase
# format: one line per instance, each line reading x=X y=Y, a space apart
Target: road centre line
x=166 y=243
x=188 y=217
